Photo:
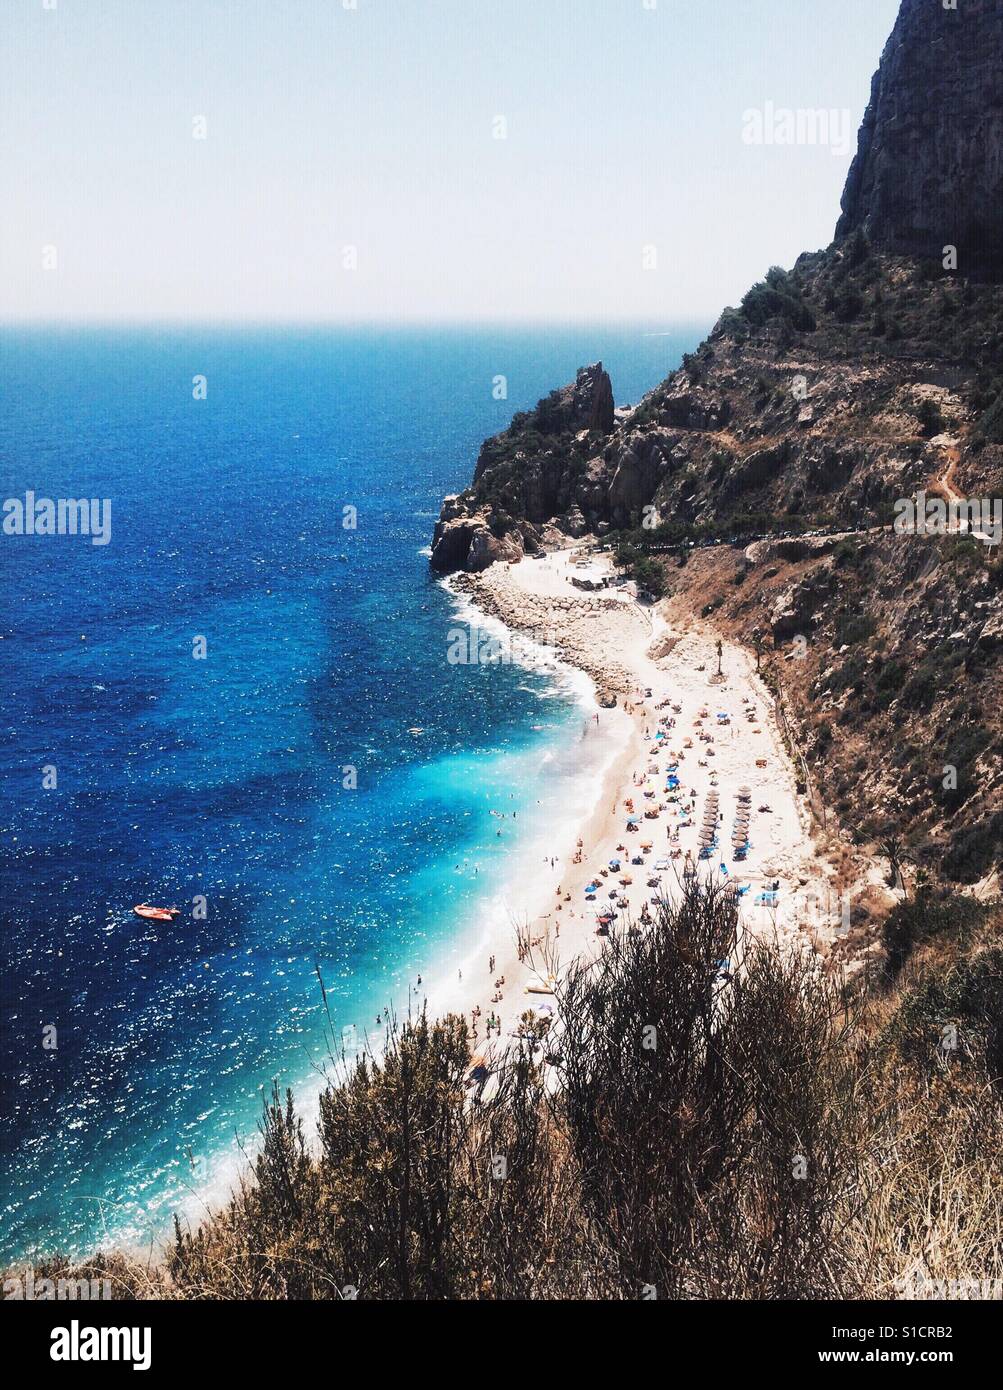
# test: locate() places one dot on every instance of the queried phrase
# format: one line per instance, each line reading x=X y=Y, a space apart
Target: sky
x=418 y=160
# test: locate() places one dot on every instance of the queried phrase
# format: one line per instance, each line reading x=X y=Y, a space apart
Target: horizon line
x=690 y=319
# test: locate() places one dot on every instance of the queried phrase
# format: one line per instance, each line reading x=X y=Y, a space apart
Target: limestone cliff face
x=862 y=376
x=526 y=478
x=929 y=166
x=803 y=405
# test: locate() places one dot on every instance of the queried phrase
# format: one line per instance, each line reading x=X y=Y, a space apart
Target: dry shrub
x=710 y=1108
x=712 y=1120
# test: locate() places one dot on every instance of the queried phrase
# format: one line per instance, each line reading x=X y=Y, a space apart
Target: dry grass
x=761 y=1137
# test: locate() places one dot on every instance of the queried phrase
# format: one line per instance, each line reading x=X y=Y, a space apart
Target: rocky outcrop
x=691 y=407
x=795 y=610
x=584 y=631
x=638 y=469
x=466 y=541
x=772 y=461
x=539 y=477
x=757 y=468
x=585 y=404
x=929 y=166
x=791 y=551
x=592 y=399
x=991 y=635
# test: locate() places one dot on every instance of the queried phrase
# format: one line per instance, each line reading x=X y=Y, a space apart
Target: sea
x=242 y=705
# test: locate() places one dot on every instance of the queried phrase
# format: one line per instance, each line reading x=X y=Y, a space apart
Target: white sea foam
x=526 y=652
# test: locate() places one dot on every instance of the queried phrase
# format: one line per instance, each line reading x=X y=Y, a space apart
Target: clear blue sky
x=330 y=127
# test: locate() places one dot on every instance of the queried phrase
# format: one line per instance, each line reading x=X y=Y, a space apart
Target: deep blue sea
x=178 y=779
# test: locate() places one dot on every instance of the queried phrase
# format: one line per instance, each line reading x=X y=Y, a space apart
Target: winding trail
x=946 y=481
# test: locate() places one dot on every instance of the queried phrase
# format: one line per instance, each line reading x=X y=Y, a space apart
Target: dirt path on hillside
x=946 y=481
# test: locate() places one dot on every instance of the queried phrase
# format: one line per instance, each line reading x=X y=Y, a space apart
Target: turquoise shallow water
x=224 y=778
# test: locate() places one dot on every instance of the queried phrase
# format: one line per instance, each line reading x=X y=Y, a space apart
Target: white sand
x=628 y=649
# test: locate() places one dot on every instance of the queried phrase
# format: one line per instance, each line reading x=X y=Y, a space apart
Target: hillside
x=869 y=373
x=703 y=1111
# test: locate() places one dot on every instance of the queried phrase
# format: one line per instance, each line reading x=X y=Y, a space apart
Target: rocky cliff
x=525 y=478
x=864 y=375
x=929 y=167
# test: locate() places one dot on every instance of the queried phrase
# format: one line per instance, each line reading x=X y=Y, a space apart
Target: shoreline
x=529 y=893
x=677 y=665
x=545 y=899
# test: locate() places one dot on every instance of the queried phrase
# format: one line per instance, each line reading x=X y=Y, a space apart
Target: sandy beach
x=689 y=757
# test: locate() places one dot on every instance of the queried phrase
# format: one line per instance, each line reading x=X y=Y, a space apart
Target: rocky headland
x=756 y=485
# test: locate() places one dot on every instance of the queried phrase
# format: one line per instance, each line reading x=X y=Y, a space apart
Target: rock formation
x=521 y=481
x=868 y=372
x=929 y=166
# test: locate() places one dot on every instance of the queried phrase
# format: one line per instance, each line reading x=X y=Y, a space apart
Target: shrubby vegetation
x=989 y=429
x=648 y=574
x=855 y=294
x=914 y=922
x=708 y=1123
x=778 y=296
x=931 y=420
x=974 y=849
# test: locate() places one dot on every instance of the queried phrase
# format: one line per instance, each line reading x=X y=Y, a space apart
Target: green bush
x=974 y=850
x=849 y=305
x=990 y=425
x=968 y=1001
x=920 y=919
x=921 y=688
x=930 y=418
x=778 y=296
x=964 y=748
x=853 y=629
